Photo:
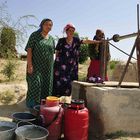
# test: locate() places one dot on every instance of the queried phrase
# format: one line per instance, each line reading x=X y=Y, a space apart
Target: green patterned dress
x=40 y=82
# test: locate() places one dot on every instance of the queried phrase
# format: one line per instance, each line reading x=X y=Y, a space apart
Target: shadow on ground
x=8 y=110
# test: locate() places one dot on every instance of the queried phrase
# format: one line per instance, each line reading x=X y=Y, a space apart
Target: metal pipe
x=117 y=38
x=138 y=46
x=138 y=24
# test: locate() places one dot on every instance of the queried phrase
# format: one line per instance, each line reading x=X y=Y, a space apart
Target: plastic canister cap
x=53 y=98
x=77 y=101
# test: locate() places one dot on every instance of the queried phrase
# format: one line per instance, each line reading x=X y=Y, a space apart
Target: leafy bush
x=112 y=64
x=83 y=50
x=9 y=69
x=83 y=53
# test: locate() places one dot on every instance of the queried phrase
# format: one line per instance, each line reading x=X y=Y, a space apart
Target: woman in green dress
x=40 y=50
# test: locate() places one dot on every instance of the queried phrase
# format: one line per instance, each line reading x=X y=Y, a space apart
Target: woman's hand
x=92 y=41
x=30 y=69
x=29 y=61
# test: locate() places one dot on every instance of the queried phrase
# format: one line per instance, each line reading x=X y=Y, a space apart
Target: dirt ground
x=17 y=88
x=12 y=93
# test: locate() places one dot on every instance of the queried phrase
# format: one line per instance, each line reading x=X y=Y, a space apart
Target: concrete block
x=111 y=109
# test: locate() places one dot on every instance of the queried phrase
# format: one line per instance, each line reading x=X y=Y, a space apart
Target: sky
x=112 y=16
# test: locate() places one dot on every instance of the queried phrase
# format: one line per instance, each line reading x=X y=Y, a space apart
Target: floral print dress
x=65 y=66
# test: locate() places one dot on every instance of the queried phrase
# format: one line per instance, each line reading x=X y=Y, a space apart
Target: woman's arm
x=59 y=46
x=29 y=61
x=91 y=41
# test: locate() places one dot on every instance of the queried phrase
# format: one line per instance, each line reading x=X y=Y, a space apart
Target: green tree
x=12 y=33
x=76 y=34
x=8 y=43
x=83 y=53
x=83 y=50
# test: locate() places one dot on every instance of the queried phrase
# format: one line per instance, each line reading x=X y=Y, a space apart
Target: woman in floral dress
x=40 y=50
x=66 y=61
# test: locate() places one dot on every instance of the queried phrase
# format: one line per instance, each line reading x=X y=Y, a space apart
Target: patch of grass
x=6 y=97
x=111 y=67
x=117 y=134
x=122 y=135
x=12 y=70
x=82 y=77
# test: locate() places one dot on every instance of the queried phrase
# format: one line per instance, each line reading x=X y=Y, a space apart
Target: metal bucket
x=31 y=132
x=7 y=130
x=24 y=117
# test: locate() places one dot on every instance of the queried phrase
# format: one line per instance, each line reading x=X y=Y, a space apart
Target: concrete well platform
x=111 y=109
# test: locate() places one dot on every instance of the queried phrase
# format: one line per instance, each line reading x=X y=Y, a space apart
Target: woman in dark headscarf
x=40 y=50
x=66 y=62
x=95 y=57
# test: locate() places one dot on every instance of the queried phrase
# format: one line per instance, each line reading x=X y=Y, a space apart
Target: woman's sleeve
x=79 y=41
x=59 y=45
x=31 y=42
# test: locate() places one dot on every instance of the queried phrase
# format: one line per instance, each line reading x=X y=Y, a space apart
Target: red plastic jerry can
x=52 y=113
x=76 y=121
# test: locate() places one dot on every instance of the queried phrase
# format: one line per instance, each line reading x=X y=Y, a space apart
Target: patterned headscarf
x=42 y=23
x=99 y=31
x=68 y=26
